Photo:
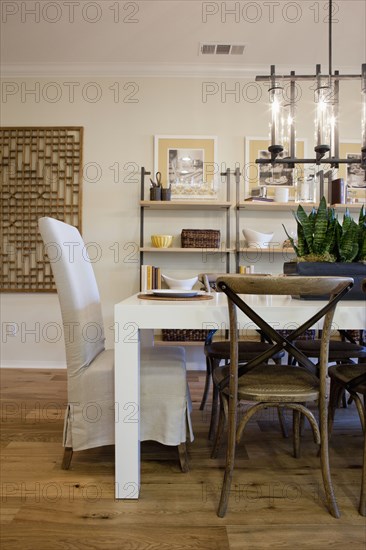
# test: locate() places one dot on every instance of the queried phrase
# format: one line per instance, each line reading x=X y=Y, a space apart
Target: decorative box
x=200 y=238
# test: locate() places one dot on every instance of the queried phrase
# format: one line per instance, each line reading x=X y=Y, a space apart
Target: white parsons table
x=134 y=314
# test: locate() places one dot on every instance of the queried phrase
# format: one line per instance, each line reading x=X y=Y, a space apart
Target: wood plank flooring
x=276 y=501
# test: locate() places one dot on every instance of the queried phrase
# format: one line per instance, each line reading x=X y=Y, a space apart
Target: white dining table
x=134 y=315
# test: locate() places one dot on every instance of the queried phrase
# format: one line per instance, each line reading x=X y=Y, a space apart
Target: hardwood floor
x=276 y=502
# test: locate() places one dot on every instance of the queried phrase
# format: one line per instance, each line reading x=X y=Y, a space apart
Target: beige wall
x=119 y=133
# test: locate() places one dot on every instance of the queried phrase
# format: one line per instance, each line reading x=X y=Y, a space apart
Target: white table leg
x=127 y=399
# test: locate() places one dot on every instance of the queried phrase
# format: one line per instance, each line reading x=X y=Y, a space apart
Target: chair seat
x=343 y=374
x=280 y=383
x=338 y=350
x=247 y=350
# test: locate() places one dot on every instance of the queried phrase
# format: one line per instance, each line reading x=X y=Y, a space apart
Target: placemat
x=171 y=299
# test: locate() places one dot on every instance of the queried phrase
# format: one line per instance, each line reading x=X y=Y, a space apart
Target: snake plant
x=322 y=238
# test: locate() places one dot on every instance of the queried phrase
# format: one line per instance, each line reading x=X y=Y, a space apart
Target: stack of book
x=150 y=277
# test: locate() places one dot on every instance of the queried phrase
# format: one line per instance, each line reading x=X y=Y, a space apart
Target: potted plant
x=325 y=246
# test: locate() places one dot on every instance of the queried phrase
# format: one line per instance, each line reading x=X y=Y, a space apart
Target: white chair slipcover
x=89 y=421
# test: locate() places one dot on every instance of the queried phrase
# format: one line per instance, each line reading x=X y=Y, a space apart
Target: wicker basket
x=200 y=238
x=184 y=335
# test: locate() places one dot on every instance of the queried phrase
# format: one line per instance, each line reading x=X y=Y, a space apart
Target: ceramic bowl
x=181 y=284
x=257 y=239
x=161 y=241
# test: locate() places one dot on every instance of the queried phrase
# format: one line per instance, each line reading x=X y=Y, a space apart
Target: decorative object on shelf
x=166 y=193
x=184 y=335
x=282 y=148
x=155 y=189
x=268 y=177
x=324 y=246
x=200 y=238
x=337 y=192
x=161 y=241
x=184 y=284
x=187 y=165
x=306 y=188
x=246 y=269
x=281 y=194
x=256 y=238
x=42 y=172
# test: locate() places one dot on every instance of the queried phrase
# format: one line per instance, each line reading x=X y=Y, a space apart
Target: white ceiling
x=162 y=37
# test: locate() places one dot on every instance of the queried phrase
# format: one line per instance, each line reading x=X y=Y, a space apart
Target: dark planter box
x=313 y=269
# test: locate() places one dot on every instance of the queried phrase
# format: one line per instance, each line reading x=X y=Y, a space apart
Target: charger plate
x=171 y=298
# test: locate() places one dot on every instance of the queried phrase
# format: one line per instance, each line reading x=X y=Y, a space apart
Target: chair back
x=77 y=291
x=235 y=285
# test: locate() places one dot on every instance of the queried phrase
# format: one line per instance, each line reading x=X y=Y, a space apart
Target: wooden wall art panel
x=41 y=175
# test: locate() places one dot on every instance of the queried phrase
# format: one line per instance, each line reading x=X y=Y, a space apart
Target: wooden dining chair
x=218 y=351
x=350 y=378
x=346 y=350
x=286 y=386
x=90 y=411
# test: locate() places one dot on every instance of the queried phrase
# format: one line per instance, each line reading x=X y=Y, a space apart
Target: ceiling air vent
x=216 y=48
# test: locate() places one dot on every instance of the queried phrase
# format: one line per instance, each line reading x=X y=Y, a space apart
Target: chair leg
x=183 y=458
x=214 y=413
x=66 y=459
x=334 y=395
x=220 y=428
x=282 y=421
x=215 y=403
x=296 y=418
x=207 y=384
x=324 y=462
x=229 y=468
x=362 y=507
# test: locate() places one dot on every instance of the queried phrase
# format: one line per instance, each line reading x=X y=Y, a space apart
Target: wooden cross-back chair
x=351 y=378
x=217 y=351
x=285 y=386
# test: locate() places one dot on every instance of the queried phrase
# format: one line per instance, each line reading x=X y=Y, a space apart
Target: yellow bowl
x=161 y=241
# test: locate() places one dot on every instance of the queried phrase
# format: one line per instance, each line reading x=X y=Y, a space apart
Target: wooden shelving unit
x=223 y=207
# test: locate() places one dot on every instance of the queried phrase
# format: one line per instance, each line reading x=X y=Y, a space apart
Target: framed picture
x=353 y=174
x=188 y=164
x=256 y=175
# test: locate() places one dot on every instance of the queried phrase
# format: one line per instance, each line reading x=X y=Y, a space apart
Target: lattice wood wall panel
x=41 y=171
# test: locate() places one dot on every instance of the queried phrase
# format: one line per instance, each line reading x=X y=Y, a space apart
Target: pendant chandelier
x=282 y=124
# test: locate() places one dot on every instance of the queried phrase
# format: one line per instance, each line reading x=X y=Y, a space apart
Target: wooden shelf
x=186 y=205
x=291 y=205
x=276 y=250
x=352 y=207
x=274 y=206
x=185 y=250
x=159 y=342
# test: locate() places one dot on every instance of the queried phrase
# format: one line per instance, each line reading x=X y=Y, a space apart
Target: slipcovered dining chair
x=286 y=386
x=217 y=351
x=90 y=412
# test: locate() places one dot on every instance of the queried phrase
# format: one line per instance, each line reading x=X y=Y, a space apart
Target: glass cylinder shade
x=325 y=118
x=288 y=130
x=277 y=118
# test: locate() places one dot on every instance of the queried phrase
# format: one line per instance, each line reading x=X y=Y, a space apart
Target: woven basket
x=184 y=335
x=200 y=238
